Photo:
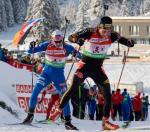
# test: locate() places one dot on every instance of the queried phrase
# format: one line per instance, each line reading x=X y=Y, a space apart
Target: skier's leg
x=59 y=82
x=77 y=80
x=102 y=81
x=42 y=82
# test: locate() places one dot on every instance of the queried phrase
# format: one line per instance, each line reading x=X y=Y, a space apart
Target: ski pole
x=32 y=65
x=72 y=64
x=66 y=25
x=124 y=62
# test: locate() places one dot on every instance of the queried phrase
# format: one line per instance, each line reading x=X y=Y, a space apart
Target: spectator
x=91 y=102
x=112 y=110
x=99 y=105
x=126 y=106
x=137 y=106
x=144 y=107
x=147 y=106
x=117 y=99
x=1 y=52
x=4 y=54
x=26 y=60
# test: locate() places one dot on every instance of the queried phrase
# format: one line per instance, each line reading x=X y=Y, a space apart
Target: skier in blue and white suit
x=55 y=58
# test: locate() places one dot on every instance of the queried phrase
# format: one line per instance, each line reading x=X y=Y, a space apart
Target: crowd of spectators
x=124 y=107
x=24 y=60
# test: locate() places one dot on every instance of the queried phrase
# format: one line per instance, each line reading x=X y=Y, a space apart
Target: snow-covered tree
x=115 y=8
x=132 y=7
x=146 y=6
x=49 y=10
x=82 y=19
x=69 y=11
x=3 y=18
x=9 y=13
x=19 y=10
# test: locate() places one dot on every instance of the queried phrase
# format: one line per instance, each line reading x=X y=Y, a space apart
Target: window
x=134 y=30
x=148 y=30
x=117 y=28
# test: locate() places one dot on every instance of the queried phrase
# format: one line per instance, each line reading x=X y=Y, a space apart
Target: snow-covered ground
x=8 y=95
x=133 y=72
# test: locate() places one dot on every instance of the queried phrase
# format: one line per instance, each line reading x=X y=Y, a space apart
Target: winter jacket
x=117 y=98
x=137 y=103
x=1 y=54
x=127 y=103
x=100 y=99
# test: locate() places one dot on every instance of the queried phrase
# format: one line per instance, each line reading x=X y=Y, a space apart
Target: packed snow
x=8 y=95
x=133 y=72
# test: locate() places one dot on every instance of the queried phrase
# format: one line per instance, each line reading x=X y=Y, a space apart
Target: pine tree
x=132 y=8
x=19 y=10
x=49 y=10
x=69 y=11
x=3 y=18
x=82 y=19
x=9 y=13
x=146 y=6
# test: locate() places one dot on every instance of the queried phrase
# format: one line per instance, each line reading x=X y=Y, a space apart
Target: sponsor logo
x=92 y=40
x=23 y=93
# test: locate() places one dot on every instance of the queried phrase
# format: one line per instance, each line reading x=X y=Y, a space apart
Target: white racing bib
x=95 y=50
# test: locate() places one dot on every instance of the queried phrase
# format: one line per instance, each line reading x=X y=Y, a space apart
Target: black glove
x=80 y=41
x=74 y=53
x=32 y=44
x=132 y=43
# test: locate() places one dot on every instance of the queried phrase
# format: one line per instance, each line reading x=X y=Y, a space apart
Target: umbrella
x=25 y=29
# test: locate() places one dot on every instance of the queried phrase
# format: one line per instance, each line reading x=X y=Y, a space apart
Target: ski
x=140 y=128
x=47 y=122
x=126 y=124
x=20 y=123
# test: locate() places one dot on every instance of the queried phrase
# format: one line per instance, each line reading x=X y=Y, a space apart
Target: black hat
x=105 y=21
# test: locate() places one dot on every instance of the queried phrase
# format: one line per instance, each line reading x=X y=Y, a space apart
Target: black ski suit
x=93 y=66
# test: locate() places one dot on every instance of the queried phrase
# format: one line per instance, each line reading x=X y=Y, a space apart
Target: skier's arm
x=76 y=37
x=71 y=50
x=41 y=47
x=116 y=37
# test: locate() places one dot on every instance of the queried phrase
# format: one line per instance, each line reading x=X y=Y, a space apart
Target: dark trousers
x=93 y=70
x=99 y=112
x=117 y=109
x=138 y=115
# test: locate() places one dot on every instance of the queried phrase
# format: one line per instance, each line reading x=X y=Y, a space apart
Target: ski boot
x=106 y=125
x=126 y=124
x=68 y=124
x=29 y=117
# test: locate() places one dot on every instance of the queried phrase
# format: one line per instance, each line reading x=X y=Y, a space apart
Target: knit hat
x=105 y=22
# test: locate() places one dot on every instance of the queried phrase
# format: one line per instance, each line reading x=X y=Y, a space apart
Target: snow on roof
x=130 y=17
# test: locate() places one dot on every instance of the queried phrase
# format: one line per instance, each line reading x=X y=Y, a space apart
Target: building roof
x=130 y=17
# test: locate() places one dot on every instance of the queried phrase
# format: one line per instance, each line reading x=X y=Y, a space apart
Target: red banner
x=23 y=93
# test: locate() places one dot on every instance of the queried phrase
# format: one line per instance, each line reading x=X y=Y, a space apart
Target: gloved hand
x=74 y=53
x=132 y=43
x=80 y=41
x=32 y=44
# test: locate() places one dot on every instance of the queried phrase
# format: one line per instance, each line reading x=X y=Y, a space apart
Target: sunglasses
x=58 y=41
x=105 y=26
